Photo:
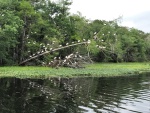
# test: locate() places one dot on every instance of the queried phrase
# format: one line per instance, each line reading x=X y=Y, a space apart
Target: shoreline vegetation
x=90 y=70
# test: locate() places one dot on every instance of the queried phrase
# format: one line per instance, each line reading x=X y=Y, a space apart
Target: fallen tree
x=74 y=60
x=59 y=62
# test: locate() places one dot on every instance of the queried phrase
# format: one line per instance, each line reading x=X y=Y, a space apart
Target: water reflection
x=76 y=95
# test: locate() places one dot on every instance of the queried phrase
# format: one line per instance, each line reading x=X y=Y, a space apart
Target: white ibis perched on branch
x=89 y=41
x=50 y=49
x=80 y=56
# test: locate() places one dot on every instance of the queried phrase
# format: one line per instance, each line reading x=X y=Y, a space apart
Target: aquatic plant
x=103 y=69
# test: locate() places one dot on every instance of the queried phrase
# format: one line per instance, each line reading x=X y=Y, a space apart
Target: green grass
x=101 y=69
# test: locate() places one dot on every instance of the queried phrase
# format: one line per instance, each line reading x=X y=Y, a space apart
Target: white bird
x=80 y=56
x=64 y=61
x=89 y=41
x=45 y=49
x=67 y=44
x=68 y=57
x=95 y=37
x=102 y=47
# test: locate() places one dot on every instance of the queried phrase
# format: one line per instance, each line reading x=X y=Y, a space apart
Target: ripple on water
x=76 y=95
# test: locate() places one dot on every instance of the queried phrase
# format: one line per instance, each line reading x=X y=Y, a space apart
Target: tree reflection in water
x=75 y=95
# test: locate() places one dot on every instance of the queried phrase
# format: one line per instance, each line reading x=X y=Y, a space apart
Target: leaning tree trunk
x=46 y=52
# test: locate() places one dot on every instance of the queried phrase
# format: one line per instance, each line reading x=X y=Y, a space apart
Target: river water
x=130 y=94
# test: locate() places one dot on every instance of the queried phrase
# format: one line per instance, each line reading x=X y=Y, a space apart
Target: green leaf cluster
x=26 y=26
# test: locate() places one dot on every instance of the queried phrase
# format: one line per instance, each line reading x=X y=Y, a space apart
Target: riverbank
x=98 y=69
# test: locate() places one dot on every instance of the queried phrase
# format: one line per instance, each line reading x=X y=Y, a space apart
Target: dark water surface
x=76 y=95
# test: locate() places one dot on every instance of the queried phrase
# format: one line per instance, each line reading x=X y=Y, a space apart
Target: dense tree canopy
x=28 y=27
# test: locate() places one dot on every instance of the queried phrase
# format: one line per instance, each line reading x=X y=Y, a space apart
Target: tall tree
x=9 y=27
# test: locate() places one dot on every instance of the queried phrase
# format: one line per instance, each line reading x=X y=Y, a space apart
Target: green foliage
x=26 y=24
x=9 y=27
x=92 y=49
